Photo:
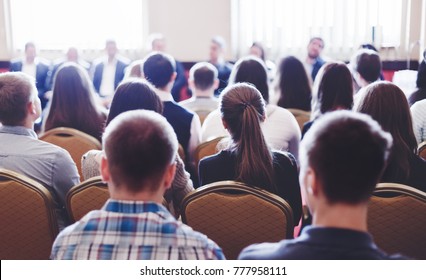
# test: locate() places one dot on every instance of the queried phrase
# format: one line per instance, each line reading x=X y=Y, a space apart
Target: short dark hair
x=134 y=94
x=316 y=38
x=368 y=65
x=139 y=146
x=16 y=89
x=203 y=74
x=29 y=45
x=158 y=68
x=348 y=152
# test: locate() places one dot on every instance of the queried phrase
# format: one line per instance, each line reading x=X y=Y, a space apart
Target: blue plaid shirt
x=132 y=230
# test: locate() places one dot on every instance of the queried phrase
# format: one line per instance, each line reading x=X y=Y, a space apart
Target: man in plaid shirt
x=139 y=165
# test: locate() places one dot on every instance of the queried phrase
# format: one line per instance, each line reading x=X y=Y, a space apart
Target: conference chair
x=85 y=197
x=301 y=116
x=422 y=150
x=28 y=220
x=397 y=220
x=77 y=143
x=235 y=215
x=206 y=149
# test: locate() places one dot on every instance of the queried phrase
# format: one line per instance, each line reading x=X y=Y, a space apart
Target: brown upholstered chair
x=206 y=149
x=28 y=219
x=77 y=143
x=85 y=197
x=301 y=116
x=397 y=220
x=422 y=150
x=235 y=215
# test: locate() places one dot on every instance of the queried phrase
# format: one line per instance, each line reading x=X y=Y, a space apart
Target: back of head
x=134 y=94
x=16 y=91
x=251 y=70
x=368 y=64
x=348 y=152
x=421 y=75
x=204 y=75
x=139 y=146
x=387 y=104
x=158 y=69
x=243 y=109
x=294 y=84
x=333 y=89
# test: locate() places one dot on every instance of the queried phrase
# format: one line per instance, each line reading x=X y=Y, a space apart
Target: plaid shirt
x=132 y=230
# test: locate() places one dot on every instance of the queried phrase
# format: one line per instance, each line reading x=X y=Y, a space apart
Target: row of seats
x=232 y=214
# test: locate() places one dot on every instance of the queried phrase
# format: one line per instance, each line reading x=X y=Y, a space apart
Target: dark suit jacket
x=122 y=63
x=42 y=70
x=316 y=67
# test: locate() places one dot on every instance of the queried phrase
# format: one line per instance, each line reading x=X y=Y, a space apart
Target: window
x=59 y=24
x=285 y=26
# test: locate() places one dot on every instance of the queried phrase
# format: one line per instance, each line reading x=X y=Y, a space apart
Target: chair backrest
x=397 y=220
x=85 y=197
x=301 y=116
x=422 y=150
x=235 y=215
x=28 y=220
x=77 y=143
x=206 y=149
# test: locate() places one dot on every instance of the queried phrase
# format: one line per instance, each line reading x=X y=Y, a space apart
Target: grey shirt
x=52 y=166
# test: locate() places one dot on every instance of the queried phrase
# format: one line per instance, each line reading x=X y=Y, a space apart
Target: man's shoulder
x=269 y=251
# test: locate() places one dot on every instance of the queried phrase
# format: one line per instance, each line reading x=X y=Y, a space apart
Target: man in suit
x=313 y=61
x=217 y=50
x=108 y=72
x=36 y=67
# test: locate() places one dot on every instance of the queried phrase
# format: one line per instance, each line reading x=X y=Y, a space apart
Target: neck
x=111 y=58
x=203 y=93
x=341 y=216
x=29 y=60
x=123 y=194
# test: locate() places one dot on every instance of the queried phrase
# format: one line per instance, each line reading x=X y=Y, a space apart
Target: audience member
x=217 y=50
x=333 y=90
x=22 y=152
x=36 y=67
x=366 y=67
x=134 y=70
x=158 y=44
x=420 y=93
x=339 y=147
x=202 y=81
x=418 y=112
x=248 y=158
x=73 y=102
x=134 y=94
x=387 y=104
x=293 y=85
x=139 y=166
x=313 y=61
x=280 y=128
x=108 y=71
x=258 y=50
x=71 y=55
x=159 y=70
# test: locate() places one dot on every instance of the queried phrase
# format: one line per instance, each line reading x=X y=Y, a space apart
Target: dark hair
x=139 y=146
x=261 y=48
x=319 y=39
x=73 y=104
x=368 y=65
x=243 y=109
x=387 y=104
x=333 y=89
x=251 y=70
x=29 y=45
x=421 y=75
x=294 y=85
x=134 y=94
x=16 y=90
x=158 y=69
x=203 y=74
x=348 y=152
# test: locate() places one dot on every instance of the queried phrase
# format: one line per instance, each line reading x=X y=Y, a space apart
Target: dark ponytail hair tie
x=245 y=105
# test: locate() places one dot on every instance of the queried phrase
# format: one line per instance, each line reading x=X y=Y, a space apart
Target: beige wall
x=189 y=25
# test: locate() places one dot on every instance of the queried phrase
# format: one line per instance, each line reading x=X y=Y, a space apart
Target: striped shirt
x=133 y=230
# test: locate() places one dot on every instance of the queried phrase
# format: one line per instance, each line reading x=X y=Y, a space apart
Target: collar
x=18 y=130
x=337 y=237
x=134 y=207
x=164 y=95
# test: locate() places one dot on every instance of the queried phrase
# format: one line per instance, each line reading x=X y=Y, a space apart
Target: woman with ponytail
x=248 y=158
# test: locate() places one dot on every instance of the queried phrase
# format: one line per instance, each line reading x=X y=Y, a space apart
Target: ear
x=31 y=108
x=310 y=182
x=225 y=125
x=191 y=84
x=105 y=174
x=216 y=84
x=173 y=77
x=169 y=175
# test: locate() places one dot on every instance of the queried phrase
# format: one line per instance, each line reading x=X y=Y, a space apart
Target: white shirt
x=107 y=87
x=418 y=111
x=280 y=129
x=29 y=69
